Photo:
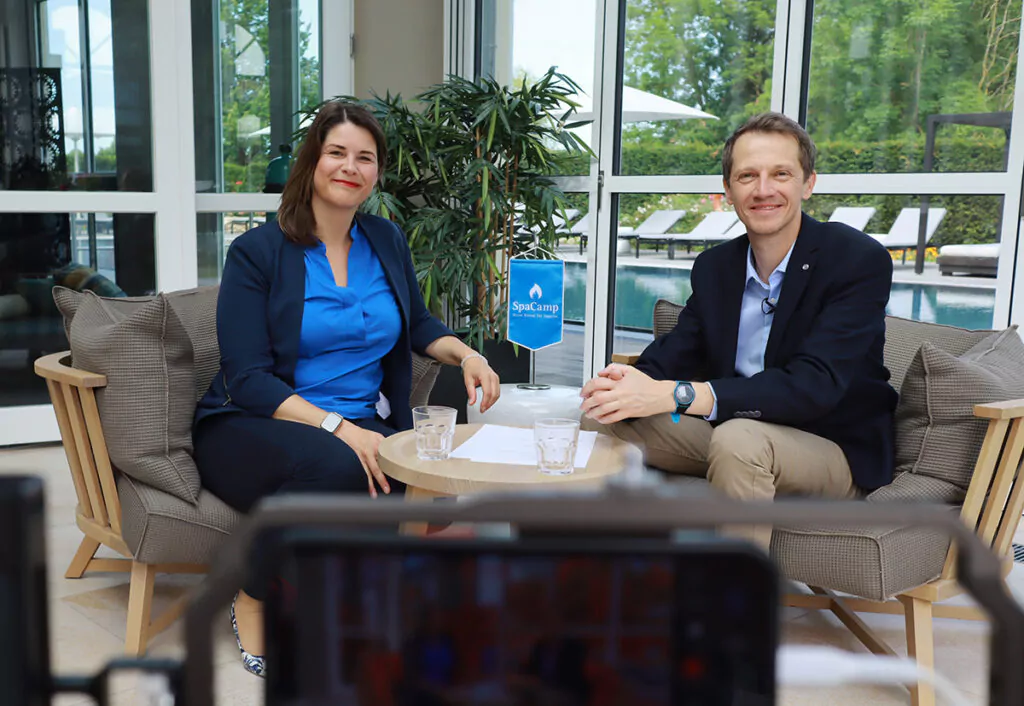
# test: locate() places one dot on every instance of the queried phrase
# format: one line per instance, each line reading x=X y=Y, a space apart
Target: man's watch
x=684 y=395
x=331 y=422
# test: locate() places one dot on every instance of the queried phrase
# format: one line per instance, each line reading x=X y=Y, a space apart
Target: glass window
x=216 y=231
x=882 y=75
x=111 y=254
x=522 y=39
x=693 y=71
x=957 y=288
x=74 y=97
x=256 y=65
x=961 y=258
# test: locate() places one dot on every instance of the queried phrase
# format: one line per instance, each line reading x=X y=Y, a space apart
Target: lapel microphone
x=767 y=306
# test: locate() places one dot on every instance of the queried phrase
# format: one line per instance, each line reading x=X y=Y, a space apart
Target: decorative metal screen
x=31 y=129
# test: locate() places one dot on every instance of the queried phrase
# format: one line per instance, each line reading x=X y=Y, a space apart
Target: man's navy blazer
x=259 y=321
x=823 y=364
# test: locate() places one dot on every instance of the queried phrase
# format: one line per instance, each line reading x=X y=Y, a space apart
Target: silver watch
x=331 y=422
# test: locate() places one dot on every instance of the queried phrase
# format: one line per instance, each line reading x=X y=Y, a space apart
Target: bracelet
x=462 y=363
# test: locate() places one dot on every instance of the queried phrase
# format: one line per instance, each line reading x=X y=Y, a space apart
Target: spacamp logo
x=534 y=306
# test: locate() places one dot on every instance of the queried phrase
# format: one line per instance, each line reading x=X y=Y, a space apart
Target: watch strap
x=681 y=408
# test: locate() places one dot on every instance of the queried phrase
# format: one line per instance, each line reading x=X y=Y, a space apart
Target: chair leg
x=920 y=645
x=80 y=562
x=140 y=607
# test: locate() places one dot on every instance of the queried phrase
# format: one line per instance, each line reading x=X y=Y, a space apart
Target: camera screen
x=472 y=626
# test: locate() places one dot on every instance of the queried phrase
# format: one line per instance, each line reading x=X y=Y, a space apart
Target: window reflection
x=74 y=108
x=256 y=65
x=109 y=254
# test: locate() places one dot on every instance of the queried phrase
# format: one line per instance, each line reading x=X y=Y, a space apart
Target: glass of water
x=435 y=428
x=556 y=445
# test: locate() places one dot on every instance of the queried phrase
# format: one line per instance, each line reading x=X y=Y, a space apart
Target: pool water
x=638 y=288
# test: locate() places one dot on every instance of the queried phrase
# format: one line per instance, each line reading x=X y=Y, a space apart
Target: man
x=772 y=381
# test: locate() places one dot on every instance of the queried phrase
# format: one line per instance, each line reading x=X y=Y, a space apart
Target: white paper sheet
x=497 y=444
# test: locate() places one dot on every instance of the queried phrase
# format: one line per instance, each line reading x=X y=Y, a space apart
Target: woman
x=317 y=318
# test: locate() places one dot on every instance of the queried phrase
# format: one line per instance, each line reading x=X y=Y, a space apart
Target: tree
x=715 y=55
x=878 y=68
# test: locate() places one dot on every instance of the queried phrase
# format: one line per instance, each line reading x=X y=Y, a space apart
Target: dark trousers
x=243 y=459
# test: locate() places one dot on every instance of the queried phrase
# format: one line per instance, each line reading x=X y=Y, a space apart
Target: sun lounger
x=981 y=259
x=853 y=216
x=712 y=229
x=903 y=233
x=656 y=223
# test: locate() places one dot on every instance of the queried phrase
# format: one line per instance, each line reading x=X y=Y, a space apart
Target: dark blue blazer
x=823 y=363
x=259 y=320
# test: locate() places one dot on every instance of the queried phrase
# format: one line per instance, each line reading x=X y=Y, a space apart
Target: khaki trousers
x=743 y=458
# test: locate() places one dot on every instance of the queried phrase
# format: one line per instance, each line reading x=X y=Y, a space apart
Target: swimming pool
x=637 y=288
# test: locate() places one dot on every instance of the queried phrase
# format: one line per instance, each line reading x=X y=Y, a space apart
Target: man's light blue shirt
x=759 y=297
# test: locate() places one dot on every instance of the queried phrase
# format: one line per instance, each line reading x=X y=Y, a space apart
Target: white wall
x=399 y=46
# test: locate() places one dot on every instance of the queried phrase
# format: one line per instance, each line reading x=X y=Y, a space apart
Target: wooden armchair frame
x=992 y=508
x=98 y=513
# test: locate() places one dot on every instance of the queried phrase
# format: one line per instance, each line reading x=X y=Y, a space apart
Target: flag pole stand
x=533 y=384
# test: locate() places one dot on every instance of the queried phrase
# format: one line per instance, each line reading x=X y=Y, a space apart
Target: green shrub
x=969 y=219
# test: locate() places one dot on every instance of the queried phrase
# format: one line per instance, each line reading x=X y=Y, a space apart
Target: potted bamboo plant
x=469 y=180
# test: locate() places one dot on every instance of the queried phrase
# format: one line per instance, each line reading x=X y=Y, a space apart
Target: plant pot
x=450 y=390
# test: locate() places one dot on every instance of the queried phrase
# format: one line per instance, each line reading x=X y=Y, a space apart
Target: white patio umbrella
x=306 y=120
x=643 y=107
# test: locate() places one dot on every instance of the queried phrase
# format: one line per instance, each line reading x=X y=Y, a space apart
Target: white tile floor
x=87 y=617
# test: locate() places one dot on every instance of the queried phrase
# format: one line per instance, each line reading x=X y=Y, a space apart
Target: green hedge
x=969 y=219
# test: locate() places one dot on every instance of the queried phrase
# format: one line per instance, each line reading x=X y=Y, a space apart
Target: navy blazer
x=259 y=321
x=823 y=364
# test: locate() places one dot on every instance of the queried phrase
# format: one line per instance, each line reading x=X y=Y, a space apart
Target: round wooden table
x=426 y=480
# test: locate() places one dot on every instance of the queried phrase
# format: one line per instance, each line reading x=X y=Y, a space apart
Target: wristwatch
x=684 y=395
x=331 y=422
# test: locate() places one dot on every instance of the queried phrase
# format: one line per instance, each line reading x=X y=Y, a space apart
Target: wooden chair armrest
x=1010 y=409
x=52 y=367
x=625 y=358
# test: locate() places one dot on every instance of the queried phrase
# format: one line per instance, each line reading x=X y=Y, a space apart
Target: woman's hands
x=476 y=372
x=365 y=443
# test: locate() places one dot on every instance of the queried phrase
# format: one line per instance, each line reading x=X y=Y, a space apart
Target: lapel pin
x=806 y=267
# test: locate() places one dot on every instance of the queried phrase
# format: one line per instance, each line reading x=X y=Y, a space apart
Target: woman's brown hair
x=295 y=216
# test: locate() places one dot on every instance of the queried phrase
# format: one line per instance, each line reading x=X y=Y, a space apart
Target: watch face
x=331 y=422
x=684 y=394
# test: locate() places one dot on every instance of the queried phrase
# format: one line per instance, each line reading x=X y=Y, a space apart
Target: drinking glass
x=556 y=445
x=435 y=428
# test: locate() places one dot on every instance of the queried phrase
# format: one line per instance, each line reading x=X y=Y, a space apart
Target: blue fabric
x=823 y=368
x=346 y=331
x=259 y=321
x=755 y=325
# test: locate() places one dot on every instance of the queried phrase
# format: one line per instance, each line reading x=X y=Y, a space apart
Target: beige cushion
x=937 y=434
x=160 y=528
x=155 y=375
x=903 y=338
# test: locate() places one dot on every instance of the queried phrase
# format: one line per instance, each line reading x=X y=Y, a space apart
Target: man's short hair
x=781 y=125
